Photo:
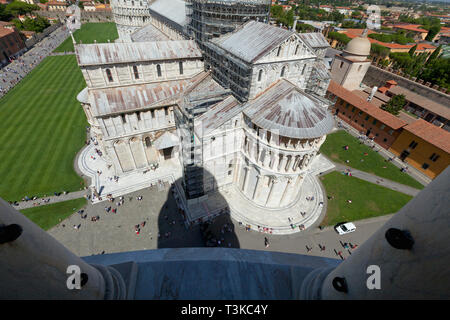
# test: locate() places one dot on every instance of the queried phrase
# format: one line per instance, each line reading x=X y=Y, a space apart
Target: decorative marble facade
x=246 y=113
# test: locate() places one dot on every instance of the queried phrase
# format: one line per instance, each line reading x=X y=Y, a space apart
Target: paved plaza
x=115 y=232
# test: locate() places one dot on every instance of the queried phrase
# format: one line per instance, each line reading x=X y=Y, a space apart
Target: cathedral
x=236 y=103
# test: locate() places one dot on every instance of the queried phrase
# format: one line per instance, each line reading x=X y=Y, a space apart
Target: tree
x=395 y=104
x=435 y=54
x=412 y=51
x=17 y=8
x=434 y=30
x=437 y=72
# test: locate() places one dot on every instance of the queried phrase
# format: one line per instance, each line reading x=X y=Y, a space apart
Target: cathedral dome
x=359 y=46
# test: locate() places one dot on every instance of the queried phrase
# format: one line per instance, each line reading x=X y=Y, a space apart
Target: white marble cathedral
x=241 y=113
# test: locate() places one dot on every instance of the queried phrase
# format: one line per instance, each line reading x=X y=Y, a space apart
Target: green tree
x=412 y=51
x=5 y=15
x=17 y=8
x=395 y=104
x=434 y=30
x=435 y=54
x=437 y=72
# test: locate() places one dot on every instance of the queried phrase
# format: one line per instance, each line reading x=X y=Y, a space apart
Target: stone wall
x=39 y=36
x=96 y=16
x=377 y=77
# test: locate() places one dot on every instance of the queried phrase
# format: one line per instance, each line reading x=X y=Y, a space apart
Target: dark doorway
x=167 y=153
x=368 y=132
x=336 y=113
x=403 y=155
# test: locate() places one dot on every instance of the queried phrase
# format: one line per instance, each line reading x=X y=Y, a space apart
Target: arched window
x=148 y=143
x=124 y=119
x=342 y=64
x=260 y=75
x=109 y=75
x=296 y=49
x=158 y=70
x=303 y=70
x=181 y=67
x=279 y=51
x=136 y=72
x=359 y=68
x=282 y=71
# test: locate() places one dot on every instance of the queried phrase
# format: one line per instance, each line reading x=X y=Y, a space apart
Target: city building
x=348 y=69
x=423 y=107
x=423 y=146
x=57 y=5
x=364 y=116
x=212 y=18
x=129 y=16
x=360 y=107
x=11 y=43
x=414 y=29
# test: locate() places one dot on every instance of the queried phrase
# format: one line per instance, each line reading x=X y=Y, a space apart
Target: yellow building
x=423 y=146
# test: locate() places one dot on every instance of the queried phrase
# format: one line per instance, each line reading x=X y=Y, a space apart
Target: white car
x=344 y=227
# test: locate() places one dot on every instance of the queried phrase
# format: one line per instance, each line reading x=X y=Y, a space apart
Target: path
x=378 y=180
x=53 y=199
x=13 y=73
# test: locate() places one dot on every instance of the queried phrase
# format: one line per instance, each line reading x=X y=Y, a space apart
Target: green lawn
x=368 y=200
x=333 y=148
x=50 y=215
x=102 y=32
x=43 y=127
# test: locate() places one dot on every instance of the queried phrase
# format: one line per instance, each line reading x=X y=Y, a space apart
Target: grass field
x=368 y=200
x=102 y=32
x=50 y=215
x=333 y=148
x=43 y=127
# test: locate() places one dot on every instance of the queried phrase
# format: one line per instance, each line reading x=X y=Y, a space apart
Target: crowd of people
x=17 y=69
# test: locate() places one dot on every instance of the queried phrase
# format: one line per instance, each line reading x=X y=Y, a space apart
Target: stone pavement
x=327 y=238
x=53 y=199
x=116 y=233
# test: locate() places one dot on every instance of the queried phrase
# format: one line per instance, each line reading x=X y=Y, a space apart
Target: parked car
x=344 y=227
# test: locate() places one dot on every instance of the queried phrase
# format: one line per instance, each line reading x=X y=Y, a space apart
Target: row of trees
x=398 y=37
x=428 y=67
x=303 y=12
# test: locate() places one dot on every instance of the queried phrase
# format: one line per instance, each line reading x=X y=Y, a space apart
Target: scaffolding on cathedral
x=208 y=19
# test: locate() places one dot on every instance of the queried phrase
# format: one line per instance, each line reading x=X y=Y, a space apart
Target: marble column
x=274 y=181
x=130 y=152
x=282 y=166
x=288 y=183
x=257 y=185
x=244 y=182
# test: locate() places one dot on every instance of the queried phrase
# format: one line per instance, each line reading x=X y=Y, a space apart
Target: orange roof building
x=365 y=116
x=424 y=146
